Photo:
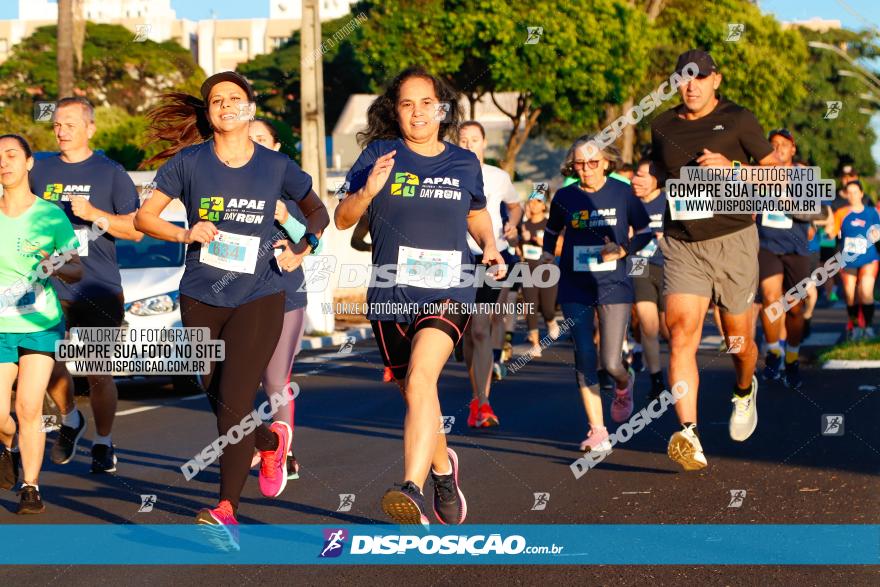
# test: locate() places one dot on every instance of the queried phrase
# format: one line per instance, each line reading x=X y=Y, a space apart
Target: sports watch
x=313 y=242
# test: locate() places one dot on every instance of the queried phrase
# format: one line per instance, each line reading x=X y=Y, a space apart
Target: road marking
x=148 y=408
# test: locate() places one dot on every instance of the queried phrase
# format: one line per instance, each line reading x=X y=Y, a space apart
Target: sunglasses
x=593 y=164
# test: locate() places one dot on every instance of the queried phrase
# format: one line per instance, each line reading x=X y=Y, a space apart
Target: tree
x=64 y=57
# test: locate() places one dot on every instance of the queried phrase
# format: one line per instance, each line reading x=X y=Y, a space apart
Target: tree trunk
x=518 y=136
x=629 y=135
x=79 y=33
x=65 y=48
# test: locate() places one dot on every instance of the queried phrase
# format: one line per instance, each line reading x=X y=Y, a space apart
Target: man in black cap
x=708 y=258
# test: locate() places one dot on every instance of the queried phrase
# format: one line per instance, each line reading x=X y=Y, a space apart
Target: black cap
x=702 y=59
x=783 y=132
x=227 y=76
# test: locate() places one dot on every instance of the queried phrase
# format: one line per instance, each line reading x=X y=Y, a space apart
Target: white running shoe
x=685 y=449
x=869 y=333
x=744 y=418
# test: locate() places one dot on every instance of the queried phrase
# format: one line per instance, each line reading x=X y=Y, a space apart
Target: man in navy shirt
x=91 y=189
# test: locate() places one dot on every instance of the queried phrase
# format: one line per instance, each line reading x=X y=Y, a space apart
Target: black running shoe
x=606 y=382
x=30 y=502
x=792 y=376
x=450 y=506
x=103 y=459
x=65 y=445
x=638 y=364
x=405 y=504
x=772 y=363
x=10 y=463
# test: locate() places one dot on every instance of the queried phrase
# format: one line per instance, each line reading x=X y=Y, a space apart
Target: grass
x=862 y=350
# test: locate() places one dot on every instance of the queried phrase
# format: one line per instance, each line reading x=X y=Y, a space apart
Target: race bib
x=649 y=249
x=427 y=268
x=20 y=304
x=776 y=220
x=590 y=259
x=82 y=235
x=855 y=245
x=232 y=252
x=531 y=252
x=678 y=211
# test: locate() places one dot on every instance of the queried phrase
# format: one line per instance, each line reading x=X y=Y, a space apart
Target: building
x=216 y=44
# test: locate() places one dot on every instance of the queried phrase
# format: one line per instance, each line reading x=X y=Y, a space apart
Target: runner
x=597 y=215
x=227 y=184
x=276 y=378
x=856 y=227
x=710 y=258
x=31 y=320
x=783 y=261
x=87 y=186
x=650 y=307
x=419 y=218
x=537 y=299
x=478 y=339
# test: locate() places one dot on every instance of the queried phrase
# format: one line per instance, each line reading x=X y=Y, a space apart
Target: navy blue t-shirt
x=419 y=220
x=293 y=280
x=782 y=235
x=106 y=185
x=656 y=208
x=238 y=266
x=589 y=217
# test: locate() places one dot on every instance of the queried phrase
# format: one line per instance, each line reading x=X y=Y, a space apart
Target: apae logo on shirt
x=59 y=192
x=594 y=218
x=216 y=208
x=27 y=248
x=405 y=185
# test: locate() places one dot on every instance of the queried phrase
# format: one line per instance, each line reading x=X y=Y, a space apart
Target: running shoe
x=387 y=375
x=772 y=363
x=857 y=333
x=596 y=441
x=792 y=377
x=638 y=363
x=722 y=346
x=103 y=459
x=10 y=463
x=744 y=417
x=869 y=333
x=473 y=410
x=30 y=501
x=273 y=463
x=622 y=404
x=220 y=526
x=506 y=351
x=553 y=330
x=450 y=506
x=292 y=466
x=486 y=417
x=65 y=445
x=685 y=449
x=499 y=371
x=405 y=504
x=536 y=352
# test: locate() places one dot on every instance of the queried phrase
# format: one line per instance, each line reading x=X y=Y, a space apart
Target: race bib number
x=427 y=268
x=590 y=259
x=649 y=249
x=855 y=245
x=678 y=211
x=232 y=252
x=776 y=220
x=82 y=235
x=531 y=252
x=20 y=304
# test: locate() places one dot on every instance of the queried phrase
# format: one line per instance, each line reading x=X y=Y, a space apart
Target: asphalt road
x=348 y=440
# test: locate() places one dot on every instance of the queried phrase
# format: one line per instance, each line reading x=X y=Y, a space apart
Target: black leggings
x=250 y=333
x=541 y=299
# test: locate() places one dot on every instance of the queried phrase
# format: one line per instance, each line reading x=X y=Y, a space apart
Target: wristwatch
x=313 y=242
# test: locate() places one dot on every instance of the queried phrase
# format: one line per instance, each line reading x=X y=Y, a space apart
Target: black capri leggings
x=250 y=333
x=541 y=299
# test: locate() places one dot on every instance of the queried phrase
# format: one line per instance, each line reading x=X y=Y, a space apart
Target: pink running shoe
x=596 y=441
x=273 y=466
x=622 y=405
x=220 y=526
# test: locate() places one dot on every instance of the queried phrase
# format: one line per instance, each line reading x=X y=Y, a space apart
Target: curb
x=850 y=364
x=311 y=343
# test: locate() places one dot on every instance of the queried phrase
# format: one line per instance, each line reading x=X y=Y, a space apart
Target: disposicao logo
x=334 y=541
x=404 y=184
